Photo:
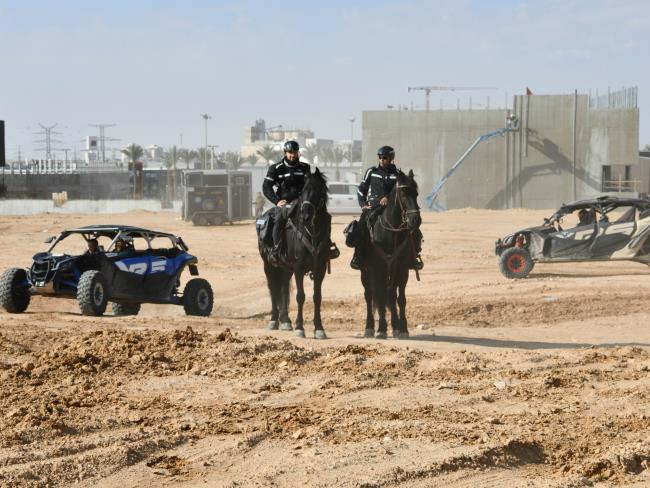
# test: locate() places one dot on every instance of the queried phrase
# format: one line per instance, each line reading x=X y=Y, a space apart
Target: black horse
x=390 y=253
x=307 y=238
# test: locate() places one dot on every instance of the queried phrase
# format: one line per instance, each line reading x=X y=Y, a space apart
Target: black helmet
x=291 y=146
x=386 y=151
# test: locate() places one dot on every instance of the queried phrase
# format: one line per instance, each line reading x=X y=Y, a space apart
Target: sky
x=152 y=67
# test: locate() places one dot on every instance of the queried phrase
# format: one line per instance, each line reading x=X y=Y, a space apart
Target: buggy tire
x=198 y=298
x=515 y=263
x=14 y=297
x=92 y=293
x=121 y=309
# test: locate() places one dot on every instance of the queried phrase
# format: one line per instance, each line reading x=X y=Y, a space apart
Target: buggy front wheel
x=92 y=293
x=14 y=294
x=198 y=298
x=515 y=262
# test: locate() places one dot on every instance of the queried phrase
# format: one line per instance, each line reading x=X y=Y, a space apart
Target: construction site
x=562 y=148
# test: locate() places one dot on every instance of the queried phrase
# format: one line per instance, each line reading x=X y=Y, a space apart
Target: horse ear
x=316 y=172
x=411 y=174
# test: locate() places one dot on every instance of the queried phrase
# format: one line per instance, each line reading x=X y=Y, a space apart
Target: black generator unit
x=213 y=197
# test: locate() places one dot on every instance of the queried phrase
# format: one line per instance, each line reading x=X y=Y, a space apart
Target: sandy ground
x=543 y=382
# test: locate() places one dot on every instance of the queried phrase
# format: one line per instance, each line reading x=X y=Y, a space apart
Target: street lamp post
x=205 y=154
x=351 y=119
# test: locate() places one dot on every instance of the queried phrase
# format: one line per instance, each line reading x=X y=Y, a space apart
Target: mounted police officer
x=373 y=193
x=283 y=184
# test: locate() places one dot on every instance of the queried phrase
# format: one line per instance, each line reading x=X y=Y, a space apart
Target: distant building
x=568 y=147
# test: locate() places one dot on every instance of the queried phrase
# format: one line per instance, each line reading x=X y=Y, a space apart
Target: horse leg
x=285 y=321
x=369 y=331
x=319 y=276
x=274 y=286
x=379 y=298
x=392 y=305
x=300 y=300
x=402 y=303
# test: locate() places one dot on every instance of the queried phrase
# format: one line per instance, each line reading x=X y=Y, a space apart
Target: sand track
x=542 y=382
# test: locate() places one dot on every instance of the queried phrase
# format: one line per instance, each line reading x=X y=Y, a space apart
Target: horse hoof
x=381 y=335
x=369 y=333
x=401 y=335
x=272 y=325
x=299 y=333
x=286 y=326
x=319 y=334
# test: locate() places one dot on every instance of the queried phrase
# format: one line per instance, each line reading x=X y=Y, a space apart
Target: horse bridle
x=403 y=226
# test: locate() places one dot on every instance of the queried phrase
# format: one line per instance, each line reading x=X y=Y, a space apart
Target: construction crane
x=428 y=89
x=512 y=125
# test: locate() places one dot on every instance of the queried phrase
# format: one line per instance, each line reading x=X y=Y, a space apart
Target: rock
x=446 y=386
x=135 y=417
x=500 y=385
x=159 y=356
x=299 y=434
x=28 y=366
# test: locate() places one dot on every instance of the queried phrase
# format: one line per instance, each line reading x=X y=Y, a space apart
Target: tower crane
x=428 y=89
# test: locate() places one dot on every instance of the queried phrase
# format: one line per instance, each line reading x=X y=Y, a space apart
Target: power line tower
x=428 y=89
x=103 y=139
x=48 y=132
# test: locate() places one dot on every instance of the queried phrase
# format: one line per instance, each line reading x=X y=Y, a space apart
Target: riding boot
x=356 y=262
x=278 y=228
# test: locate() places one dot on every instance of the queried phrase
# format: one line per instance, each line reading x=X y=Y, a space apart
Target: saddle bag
x=351 y=233
x=263 y=227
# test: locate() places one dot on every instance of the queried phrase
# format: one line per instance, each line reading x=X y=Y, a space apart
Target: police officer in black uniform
x=283 y=184
x=373 y=193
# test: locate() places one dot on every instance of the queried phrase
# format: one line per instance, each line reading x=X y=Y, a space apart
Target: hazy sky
x=152 y=67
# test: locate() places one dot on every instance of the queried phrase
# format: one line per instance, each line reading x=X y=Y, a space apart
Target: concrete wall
x=531 y=168
x=31 y=207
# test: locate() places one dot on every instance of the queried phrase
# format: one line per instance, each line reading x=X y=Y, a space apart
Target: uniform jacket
x=284 y=181
x=376 y=183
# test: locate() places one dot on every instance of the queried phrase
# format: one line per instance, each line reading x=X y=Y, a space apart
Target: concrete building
x=562 y=151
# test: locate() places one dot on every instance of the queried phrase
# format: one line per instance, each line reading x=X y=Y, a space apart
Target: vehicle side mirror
x=49 y=240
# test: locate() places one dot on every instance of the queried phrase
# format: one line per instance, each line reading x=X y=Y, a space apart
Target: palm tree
x=170 y=158
x=133 y=152
x=325 y=154
x=233 y=159
x=338 y=155
x=647 y=147
x=251 y=159
x=202 y=156
x=187 y=155
x=310 y=153
x=268 y=154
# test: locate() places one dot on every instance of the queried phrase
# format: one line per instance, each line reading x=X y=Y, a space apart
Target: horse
x=390 y=251
x=307 y=238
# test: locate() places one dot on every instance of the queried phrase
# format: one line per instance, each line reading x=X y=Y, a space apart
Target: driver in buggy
x=283 y=184
x=373 y=193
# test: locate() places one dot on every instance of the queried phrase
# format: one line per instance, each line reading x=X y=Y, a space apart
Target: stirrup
x=334 y=251
x=355 y=264
x=418 y=264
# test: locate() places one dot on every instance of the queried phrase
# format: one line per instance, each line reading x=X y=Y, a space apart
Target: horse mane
x=404 y=179
x=316 y=182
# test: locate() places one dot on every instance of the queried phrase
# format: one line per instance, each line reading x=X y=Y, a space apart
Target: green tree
x=171 y=156
x=133 y=152
x=188 y=156
x=269 y=155
x=251 y=159
x=338 y=155
x=647 y=147
x=233 y=159
x=310 y=153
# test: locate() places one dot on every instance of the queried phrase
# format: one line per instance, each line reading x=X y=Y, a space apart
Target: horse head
x=406 y=194
x=313 y=198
